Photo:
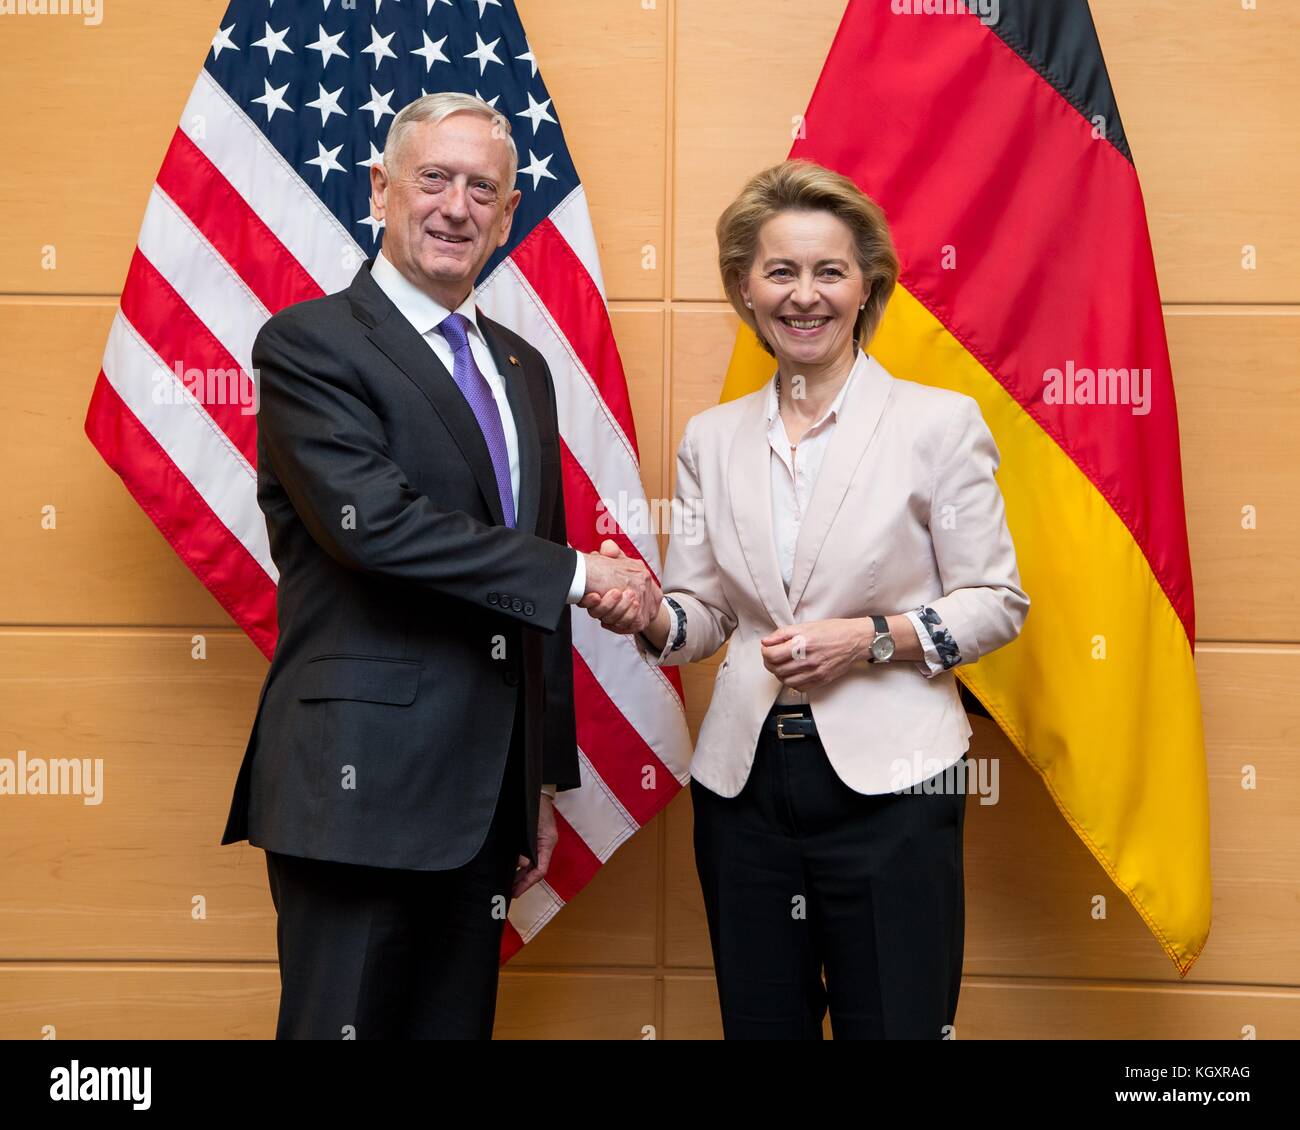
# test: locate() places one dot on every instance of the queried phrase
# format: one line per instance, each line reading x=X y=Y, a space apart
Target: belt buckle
x=780 y=727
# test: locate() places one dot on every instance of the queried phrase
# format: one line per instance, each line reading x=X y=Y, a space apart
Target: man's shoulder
x=329 y=313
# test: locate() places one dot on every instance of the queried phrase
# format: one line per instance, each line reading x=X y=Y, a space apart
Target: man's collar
x=835 y=404
x=423 y=312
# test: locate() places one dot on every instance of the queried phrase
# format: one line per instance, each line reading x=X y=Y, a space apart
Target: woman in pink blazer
x=845 y=536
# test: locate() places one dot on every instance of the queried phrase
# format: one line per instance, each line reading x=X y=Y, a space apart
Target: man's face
x=445 y=205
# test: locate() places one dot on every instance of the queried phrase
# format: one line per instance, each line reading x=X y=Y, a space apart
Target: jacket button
x=492 y=598
x=517 y=604
x=512 y=678
x=528 y=608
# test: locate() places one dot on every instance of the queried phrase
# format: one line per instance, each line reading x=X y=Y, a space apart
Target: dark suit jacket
x=410 y=617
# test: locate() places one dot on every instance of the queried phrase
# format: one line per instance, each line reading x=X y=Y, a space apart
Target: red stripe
x=573 y=864
x=560 y=280
x=238 y=233
x=616 y=749
x=1053 y=257
x=174 y=332
x=211 y=551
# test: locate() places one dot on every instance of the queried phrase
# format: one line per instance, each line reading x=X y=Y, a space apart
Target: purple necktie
x=469 y=377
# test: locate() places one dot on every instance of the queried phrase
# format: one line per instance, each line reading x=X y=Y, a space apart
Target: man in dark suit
x=420 y=700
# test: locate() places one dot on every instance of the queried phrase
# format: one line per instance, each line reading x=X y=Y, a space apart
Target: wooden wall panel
x=612 y=103
x=1238 y=395
x=682 y=101
x=1209 y=94
x=740 y=81
x=1000 y=1009
x=239 y=1001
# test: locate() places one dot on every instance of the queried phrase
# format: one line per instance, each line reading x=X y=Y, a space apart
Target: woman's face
x=805 y=287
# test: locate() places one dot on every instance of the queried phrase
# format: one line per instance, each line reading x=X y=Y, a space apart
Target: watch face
x=882 y=649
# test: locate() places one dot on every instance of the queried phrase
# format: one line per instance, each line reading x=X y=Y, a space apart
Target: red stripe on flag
x=211 y=551
x=554 y=271
x=228 y=222
x=573 y=863
x=174 y=332
x=616 y=749
x=1048 y=227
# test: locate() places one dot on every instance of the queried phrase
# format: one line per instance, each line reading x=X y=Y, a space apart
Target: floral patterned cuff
x=942 y=639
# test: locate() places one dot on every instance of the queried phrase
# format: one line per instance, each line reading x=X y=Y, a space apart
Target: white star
x=327 y=162
x=375 y=226
x=328 y=46
x=433 y=2
x=273 y=100
x=490 y=101
x=222 y=40
x=536 y=112
x=482 y=6
x=273 y=41
x=432 y=52
x=485 y=53
x=529 y=57
x=378 y=104
x=379 y=46
x=375 y=158
x=537 y=168
x=327 y=104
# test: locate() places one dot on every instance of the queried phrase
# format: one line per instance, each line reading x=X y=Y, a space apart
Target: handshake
x=621 y=593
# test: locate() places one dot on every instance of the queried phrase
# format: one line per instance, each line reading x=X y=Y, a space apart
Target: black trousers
x=374 y=953
x=802 y=877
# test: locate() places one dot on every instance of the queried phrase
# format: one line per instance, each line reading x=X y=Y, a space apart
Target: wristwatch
x=882 y=643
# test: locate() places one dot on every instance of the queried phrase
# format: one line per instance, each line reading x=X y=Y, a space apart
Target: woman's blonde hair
x=800 y=185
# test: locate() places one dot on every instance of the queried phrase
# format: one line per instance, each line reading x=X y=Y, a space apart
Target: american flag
x=262 y=201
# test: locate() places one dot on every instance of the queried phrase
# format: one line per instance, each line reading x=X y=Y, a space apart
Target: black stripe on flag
x=1059 y=40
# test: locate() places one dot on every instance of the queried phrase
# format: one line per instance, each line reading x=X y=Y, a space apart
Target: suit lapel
x=860 y=413
x=397 y=339
x=749 y=483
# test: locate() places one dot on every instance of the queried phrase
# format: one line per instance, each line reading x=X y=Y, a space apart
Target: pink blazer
x=905 y=512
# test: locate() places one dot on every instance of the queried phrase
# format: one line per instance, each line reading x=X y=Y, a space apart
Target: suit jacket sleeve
x=329 y=450
x=559 y=730
x=983 y=606
x=691 y=574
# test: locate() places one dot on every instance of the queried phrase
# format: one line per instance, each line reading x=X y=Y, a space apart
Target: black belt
x=787 y=723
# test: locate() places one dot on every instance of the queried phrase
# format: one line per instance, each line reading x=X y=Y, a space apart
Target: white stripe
x=534 y=909
x=271 y=186
x=589 y=429
x=201 y=451
x=204 y=280
x=573 y=219
x=639 y=690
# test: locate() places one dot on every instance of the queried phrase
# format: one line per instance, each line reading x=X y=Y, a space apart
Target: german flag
x=989 y=134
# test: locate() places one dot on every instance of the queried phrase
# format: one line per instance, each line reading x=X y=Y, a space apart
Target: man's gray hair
x=435 y=107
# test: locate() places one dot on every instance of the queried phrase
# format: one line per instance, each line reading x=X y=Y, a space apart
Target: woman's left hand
x=815 y=653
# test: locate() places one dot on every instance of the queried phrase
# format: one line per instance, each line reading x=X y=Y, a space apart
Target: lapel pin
x=514 y=360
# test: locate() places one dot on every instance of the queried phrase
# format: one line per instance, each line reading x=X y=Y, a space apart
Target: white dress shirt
x=426 y=315
x=794 y=471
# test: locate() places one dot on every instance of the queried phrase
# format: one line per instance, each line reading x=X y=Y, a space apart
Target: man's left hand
x=546 y=840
